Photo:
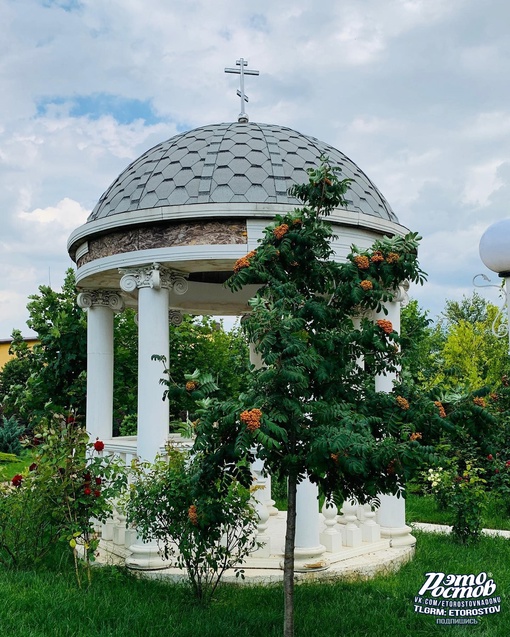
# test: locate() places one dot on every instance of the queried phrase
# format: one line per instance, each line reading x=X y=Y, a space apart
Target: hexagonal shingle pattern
x=226 y=163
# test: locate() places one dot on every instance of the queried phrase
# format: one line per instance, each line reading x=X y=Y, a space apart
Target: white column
x=255 y=357
x=153 y=283
x=308 y=548
x=392 y=519
x=258 y=465
x=384 y=382
x=153 y=338
x=391 y=514
x=100 y=306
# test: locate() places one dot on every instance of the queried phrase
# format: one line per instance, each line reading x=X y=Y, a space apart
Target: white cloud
x=46 y=230
x=481 y=182
x=411 y=90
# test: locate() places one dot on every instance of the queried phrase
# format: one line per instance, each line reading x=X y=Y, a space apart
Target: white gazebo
x=163 y=239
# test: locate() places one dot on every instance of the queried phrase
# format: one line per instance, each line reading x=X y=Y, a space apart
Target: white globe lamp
x=495 y=253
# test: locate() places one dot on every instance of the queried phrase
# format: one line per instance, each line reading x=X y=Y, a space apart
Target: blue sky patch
x=97 y=105
x=66 y=5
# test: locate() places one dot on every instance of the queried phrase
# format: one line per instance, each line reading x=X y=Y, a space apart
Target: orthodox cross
x=241 y=71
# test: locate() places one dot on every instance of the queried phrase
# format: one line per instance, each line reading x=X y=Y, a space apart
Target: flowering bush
x=462 y=493
x=440 y=481
x=498 y=477
x=205 y=530
x=67 y=486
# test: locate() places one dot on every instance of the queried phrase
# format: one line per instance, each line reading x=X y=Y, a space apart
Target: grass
x=10 y=469
x=423 y=508
x=47 y=604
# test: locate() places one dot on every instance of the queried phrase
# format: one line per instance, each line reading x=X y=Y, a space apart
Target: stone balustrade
x=336 y=535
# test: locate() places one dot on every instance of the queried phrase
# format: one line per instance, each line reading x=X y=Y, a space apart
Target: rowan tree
x=312 y=409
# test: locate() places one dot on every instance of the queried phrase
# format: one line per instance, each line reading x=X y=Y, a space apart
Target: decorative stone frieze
x=102 y=298
x=171 y=235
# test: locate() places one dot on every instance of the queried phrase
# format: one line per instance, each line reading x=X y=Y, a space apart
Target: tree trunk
x=288 y=561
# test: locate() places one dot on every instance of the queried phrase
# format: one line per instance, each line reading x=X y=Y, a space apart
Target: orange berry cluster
x=297 y=222
x=334 y=456
x=243 y=262
x=251 y=418
x=280 y=231
x=402 y=402
x=392 y=257
x=362 y=262
x=385 y=325
x=193 y=515
x=439 y=405
x=240 y=264
x=480 y=401
x=191 y=385
x=415 y=436
x=366 y=285
x=377 y=257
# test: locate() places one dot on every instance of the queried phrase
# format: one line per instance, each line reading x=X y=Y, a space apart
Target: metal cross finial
x=243 y=117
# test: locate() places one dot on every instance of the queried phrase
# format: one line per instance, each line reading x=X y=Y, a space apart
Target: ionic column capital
x=152 y=276
x=400 y=294
x=174 y=317
x=100 y=298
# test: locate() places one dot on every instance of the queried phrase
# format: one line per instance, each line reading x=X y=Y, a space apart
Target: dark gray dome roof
x=231 y=163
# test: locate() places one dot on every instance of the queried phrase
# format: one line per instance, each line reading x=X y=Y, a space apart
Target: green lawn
x=424 y=509
x=49 y=603
x=10 y=469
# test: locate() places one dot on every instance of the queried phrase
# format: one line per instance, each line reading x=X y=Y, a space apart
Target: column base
x=398 y=536
x=310 y=559
x=146 y=557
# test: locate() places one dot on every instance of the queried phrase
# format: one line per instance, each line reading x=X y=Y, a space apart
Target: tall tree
x=15 y=373
x=57 y=363
x=421 y=343
x=472 y=309
x=53 y=374
x=312 y=410
x=472 y=356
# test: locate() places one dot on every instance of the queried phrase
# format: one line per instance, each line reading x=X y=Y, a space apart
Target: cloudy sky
x=416 y=92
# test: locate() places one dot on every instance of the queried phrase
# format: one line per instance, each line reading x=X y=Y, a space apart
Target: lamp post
x=495 y=254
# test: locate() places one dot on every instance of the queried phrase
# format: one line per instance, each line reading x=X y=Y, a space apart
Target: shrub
x=10 y=432
x=206 y=532
x=28 y=526
x=68 y=485
x=462 y=493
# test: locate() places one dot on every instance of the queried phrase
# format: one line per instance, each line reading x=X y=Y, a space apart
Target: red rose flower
x=87 y=491
x=32 y=467
x=98 y=480
x=496 y=470
x=99 y=445
x=17 y=480
x=97 y=493
x=87 y=477
x=490 y=457
x=507 y=463
x=70 y=420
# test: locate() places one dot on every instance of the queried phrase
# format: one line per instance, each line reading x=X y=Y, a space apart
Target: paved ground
x=362 y=566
